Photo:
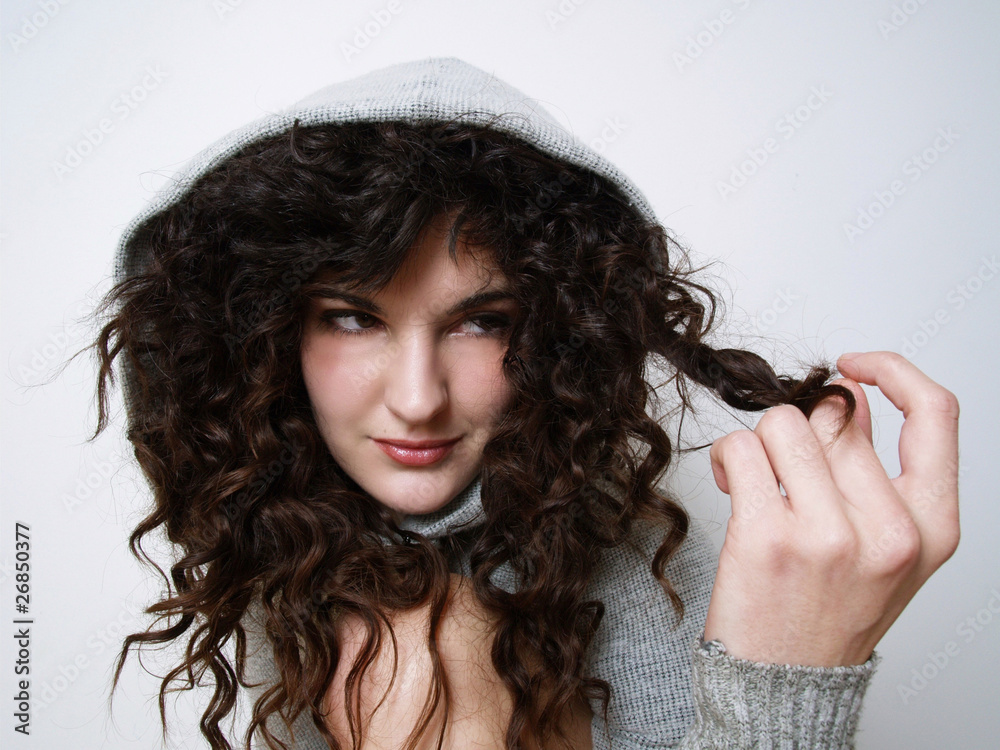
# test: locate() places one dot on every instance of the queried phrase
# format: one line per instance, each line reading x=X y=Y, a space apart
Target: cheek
x=481 y=387
x=333 y=381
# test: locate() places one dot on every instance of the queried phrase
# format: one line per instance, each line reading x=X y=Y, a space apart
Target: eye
x=357 y=323
x=487 y=324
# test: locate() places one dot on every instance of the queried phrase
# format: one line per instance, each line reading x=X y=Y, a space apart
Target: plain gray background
x=684 y=96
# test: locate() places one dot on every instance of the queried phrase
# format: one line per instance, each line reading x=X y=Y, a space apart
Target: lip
x=419 y=444
x=416 y=452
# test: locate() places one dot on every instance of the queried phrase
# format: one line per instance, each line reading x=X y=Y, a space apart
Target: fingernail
x=849 y=355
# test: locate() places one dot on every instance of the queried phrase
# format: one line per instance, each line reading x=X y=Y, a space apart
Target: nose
x=416 y=388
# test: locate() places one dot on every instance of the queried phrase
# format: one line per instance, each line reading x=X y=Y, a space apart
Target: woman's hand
x=818 y=576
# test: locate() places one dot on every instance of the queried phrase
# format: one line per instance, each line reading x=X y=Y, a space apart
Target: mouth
x=416 y=452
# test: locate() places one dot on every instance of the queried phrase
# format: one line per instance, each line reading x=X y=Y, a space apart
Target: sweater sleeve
x=740 y=703
x=671 y=690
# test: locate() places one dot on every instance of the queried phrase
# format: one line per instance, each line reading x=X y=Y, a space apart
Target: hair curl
x=208 y=329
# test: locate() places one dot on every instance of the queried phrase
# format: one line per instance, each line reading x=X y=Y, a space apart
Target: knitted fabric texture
x=431 y=90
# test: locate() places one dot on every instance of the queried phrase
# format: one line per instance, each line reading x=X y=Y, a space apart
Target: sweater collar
x=464 y=511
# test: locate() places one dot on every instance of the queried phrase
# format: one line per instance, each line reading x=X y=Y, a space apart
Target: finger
x=799 y=463
x=740 y=462
x=827 y=417
x=928 y=447
x=862 y=410
x=928 y=440
x=855 y=467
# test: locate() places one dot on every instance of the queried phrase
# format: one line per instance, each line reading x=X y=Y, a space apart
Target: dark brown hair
x=206 y=330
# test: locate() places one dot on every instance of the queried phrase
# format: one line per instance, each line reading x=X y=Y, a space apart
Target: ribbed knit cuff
x=745 y=704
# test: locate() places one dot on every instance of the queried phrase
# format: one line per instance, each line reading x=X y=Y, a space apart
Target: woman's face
x=419 y=361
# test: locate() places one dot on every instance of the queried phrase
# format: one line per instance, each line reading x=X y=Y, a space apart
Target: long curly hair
x=206 y=333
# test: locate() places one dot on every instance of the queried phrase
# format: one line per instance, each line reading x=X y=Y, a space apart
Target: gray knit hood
x=435 y=89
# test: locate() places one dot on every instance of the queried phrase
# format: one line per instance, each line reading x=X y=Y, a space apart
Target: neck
x=463 y=510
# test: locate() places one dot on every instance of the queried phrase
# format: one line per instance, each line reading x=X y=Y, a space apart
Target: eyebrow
x=471 y=302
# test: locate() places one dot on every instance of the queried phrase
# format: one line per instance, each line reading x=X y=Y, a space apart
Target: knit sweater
x=668 y=688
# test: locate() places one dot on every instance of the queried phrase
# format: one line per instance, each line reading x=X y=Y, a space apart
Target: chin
x=419 y=496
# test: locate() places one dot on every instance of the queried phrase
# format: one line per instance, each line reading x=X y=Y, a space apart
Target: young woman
x=388 y=358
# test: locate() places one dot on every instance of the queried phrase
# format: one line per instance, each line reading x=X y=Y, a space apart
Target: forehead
x=431 y=264
x=432 y=261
